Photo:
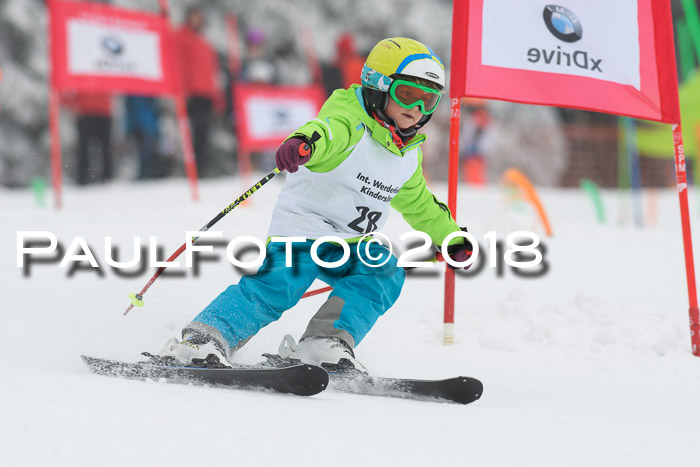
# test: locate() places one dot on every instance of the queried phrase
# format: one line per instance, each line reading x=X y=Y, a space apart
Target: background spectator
x=346 y=67
x=257 y=66
x=474 y=126
x=348 y=60
x=199 y=71
x=94 y=124
x=142 y=124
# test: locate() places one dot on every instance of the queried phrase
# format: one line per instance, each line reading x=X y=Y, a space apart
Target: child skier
x=365 y=156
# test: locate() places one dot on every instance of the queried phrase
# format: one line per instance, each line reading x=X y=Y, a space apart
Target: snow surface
x=587 y=365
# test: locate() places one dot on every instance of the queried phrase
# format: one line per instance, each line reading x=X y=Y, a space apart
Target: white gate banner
x=272 y=117
x=99 y=49
x=594 y=39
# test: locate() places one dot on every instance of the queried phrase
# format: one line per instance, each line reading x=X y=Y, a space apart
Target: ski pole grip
x=304 y=150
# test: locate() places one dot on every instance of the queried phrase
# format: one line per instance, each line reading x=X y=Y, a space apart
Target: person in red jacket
x=346 y=68
x=348 y=60
x=199 y=69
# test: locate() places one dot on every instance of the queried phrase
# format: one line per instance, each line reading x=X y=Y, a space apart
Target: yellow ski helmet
x=401 y=56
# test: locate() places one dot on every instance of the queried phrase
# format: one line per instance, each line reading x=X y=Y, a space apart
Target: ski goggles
x=408 y=95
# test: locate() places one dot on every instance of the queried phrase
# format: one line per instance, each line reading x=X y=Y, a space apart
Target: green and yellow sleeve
x=423 y=211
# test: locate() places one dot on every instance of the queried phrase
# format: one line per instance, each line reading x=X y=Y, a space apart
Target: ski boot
x=331 y=353
x=195 y=349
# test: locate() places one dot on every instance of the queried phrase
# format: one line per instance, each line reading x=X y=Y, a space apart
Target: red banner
x=266 y=115
x=100 y=48
x=614 y=57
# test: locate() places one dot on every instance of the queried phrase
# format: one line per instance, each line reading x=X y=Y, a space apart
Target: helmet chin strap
x=408 y=132
x=376 y=101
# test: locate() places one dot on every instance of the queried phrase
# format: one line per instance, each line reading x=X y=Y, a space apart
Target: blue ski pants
x=361 y=294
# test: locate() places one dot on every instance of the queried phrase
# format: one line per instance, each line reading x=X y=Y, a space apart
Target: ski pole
x=311 y=293
x=137 y=298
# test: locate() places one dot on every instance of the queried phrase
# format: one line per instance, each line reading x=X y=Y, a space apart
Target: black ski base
x=302 y=380
x=345 y=378
x=461 y=390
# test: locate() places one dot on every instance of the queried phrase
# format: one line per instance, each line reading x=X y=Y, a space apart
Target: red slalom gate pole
x=448 y=336
x=54 y=122
x=187 y=150
x=55 y=135
x=682 y=182
x=183 y=121
x=311 y=293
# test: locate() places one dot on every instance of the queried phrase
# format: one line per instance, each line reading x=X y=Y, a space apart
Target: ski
x=302 y=380
x=461 y=390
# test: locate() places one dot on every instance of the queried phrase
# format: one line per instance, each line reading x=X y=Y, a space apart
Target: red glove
x=292 y=153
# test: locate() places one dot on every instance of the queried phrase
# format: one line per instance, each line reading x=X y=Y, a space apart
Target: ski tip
x=87 y=359
x=315 y=380
x=470 y=390
x=95 y=365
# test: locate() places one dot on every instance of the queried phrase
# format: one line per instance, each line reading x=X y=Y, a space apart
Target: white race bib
x=349 y=201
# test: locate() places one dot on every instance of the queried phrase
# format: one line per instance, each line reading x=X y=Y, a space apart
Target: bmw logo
x=112 y=45
x=562 y=22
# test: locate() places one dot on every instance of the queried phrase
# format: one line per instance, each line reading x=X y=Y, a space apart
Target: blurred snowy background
x=530 y=134
x=554 y=147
